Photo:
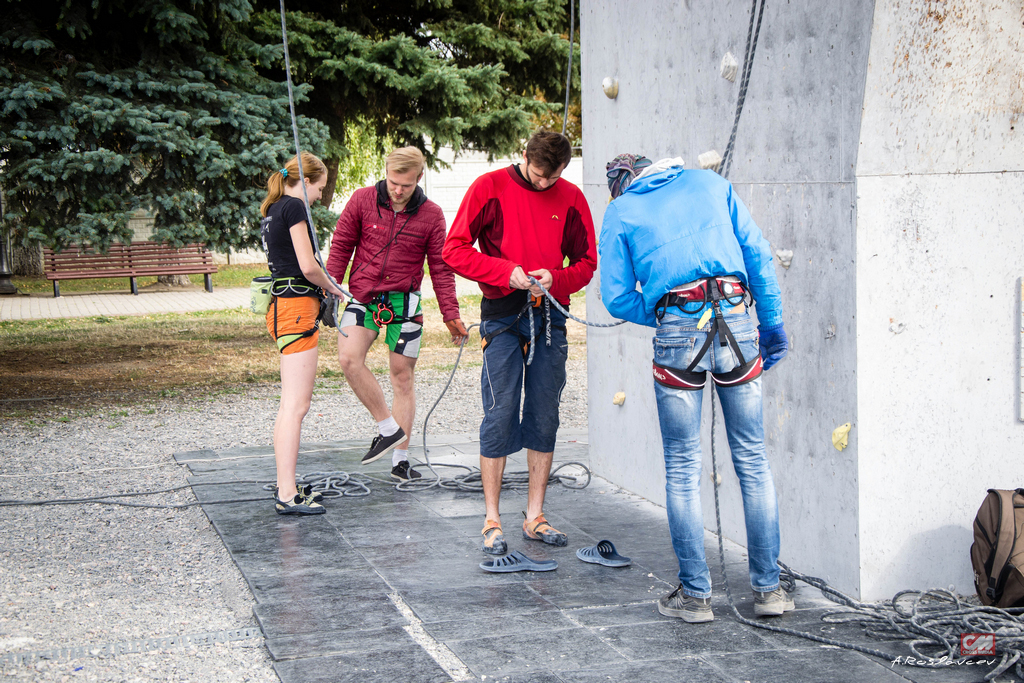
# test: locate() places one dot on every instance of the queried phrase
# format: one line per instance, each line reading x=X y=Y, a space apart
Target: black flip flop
x=515 y=561
x=603 y=553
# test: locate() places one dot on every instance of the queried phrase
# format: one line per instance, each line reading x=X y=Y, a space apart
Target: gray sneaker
x=691 y=610
x=773 y=603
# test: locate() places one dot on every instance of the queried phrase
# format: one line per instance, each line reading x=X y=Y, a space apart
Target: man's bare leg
x=403 y=384
x=491 y=472
x=540 y=470
x=352 y=357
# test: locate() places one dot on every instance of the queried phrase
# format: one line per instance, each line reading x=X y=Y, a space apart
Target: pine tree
x=178 y=106
x=472 y=74
x=110 y=106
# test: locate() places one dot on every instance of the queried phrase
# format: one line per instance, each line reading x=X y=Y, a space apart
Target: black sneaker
x=381 y=445
x=402 y=472
x=298 y=506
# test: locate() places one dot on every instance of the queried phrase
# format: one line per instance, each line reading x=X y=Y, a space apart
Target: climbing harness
x=532 y=302
x=692 y=298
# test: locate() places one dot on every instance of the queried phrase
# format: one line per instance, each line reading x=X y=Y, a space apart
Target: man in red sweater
x=392 y=227
x=526 y=221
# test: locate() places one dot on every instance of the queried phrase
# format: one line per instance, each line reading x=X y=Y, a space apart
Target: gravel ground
x=91 y=575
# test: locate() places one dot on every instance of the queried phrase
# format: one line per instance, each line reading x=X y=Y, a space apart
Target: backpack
x=998 y=549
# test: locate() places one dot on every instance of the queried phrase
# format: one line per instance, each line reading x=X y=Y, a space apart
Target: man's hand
x=544 y=277
x=774 y=344
x=518 y=280
x=457 y=330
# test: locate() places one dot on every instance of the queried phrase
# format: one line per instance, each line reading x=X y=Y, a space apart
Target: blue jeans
x=505 y=377
x=676 y=342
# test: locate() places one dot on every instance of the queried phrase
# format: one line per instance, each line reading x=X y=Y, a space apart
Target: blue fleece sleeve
x=618 y=279
x=757 y=259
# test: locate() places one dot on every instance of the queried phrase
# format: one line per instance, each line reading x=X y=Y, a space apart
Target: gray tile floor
x=387 y=587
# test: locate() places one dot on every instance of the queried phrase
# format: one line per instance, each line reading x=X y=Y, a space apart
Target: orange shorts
x=295 y=317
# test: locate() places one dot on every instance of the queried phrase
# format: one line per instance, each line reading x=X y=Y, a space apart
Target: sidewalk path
x=35 y=307
x=75 y=305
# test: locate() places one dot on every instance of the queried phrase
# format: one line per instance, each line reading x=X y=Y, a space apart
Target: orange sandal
x=538 y=529
x=494 y=541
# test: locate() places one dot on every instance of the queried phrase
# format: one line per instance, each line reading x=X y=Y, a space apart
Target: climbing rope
x=568 y=72
x=748 y=61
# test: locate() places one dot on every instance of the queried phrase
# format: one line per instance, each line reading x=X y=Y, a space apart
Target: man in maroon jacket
x=391 y=227
x=525 y=220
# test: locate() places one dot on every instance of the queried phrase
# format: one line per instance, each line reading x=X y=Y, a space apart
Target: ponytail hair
x=312 y=168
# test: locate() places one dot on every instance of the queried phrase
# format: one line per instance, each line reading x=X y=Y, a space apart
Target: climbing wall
x=794 y=166
x=879 y=152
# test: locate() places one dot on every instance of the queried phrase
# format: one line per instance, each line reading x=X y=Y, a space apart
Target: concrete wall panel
x=794 y=166
x=938 y=330
x=946 y=92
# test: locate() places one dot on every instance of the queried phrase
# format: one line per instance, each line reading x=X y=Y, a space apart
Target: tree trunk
x=27 y=260
x=174 y=280
x=333 y=164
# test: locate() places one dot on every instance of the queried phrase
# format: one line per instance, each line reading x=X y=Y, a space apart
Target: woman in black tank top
x=293 y=316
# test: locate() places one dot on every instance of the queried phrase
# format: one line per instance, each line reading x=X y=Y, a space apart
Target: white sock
x=398 y=456
x=388 y=427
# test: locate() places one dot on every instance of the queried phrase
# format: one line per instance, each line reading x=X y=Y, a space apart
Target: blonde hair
x=312 y=168
x=405 y=159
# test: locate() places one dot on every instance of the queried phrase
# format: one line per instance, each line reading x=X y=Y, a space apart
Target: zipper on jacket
x=387 y=249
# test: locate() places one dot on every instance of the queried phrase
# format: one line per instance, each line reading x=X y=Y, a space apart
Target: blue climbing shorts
x=506 y=378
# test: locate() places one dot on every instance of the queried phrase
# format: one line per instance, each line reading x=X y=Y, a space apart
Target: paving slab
x=387 y=586
x=400 y=661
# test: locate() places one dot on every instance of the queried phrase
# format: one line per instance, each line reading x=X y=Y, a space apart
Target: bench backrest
x=135 y=258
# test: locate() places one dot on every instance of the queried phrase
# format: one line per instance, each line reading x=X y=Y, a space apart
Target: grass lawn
x=83 y=362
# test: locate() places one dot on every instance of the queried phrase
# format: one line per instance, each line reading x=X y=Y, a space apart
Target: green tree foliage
x=472 y=74
x=108 y=106
x=178 y=106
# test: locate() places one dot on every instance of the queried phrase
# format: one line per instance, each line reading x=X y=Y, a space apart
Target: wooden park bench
x=138 y=259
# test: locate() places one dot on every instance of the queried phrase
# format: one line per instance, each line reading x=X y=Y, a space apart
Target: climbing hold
x=785 y=257
x=729 y=67
x=710 y=159
x=897 y=328
x=841 y=436
x=620 y=398
x=611 y=87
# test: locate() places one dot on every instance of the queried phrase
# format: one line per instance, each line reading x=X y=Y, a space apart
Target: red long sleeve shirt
x=518 y=225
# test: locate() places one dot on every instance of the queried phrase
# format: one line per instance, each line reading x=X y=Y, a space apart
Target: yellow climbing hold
x=841 y=435
x=620 y=398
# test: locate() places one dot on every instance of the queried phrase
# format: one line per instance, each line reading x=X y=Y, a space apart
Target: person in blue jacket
x=701 y=261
